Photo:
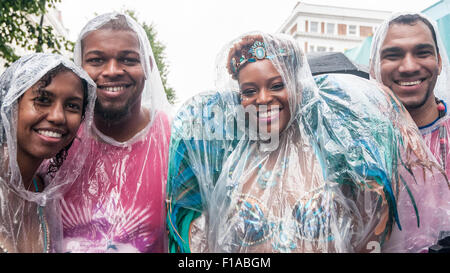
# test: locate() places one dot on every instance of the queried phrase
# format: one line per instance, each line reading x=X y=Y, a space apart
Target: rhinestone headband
x=257 y=52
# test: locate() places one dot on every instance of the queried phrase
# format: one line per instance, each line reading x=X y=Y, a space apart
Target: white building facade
x=332 y=29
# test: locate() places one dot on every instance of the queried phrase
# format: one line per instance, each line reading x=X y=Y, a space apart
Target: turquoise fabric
x=353 y=137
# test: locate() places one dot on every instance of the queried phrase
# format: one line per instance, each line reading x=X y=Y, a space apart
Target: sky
x=195 y=31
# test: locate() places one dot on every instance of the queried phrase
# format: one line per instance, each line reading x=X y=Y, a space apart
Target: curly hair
x=57 y=161
x=240 y=49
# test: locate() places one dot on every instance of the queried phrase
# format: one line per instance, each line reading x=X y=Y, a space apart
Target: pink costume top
x=117 y=203
x=432 y=197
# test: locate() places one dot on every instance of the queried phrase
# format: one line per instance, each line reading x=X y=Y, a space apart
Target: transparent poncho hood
x=330 y=185
x=153 y=96
x=18 y=78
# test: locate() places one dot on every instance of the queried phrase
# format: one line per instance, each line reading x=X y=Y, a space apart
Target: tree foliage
x=21 y=25
x=160 y=57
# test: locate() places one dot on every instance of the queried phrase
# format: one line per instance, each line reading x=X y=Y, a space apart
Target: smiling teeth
x=114 y=89
x=268 y=114
x=409 y=83
x=49 y=134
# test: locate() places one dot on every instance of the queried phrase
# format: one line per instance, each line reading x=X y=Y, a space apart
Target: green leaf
x=18 y=30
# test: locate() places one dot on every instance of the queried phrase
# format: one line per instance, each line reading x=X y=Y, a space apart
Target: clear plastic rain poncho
x=330 y=185
x=31 y=221
x=117 y=204
x=432 y=197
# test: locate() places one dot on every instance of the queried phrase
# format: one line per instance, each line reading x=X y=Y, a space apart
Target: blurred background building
x=322 y=28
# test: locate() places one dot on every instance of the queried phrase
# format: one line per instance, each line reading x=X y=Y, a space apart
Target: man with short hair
x=410 y=63
x=117 y=203
x=408 y=57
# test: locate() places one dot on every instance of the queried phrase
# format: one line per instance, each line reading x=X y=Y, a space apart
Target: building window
x=365 y=31
x=293 y=29
x=314 y=27
x=342 y=29
x=352 y=30
x=331 y=28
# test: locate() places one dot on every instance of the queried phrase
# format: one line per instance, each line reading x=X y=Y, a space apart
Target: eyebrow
x=51 y=94
x=38 y=91
x=391 y=50
x=426 y=46
x=269 y=80
x=124 y=52
x=275 y=78
x=75 y=98
x=96 y=52
x=396 y=49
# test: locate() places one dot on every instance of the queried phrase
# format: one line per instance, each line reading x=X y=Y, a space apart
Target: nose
x=409 y=64
x=56 y=114
x=112 y=68
x=264 y=97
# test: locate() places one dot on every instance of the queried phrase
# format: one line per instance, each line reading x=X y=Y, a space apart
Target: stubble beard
x=417 y=105
x=112 y=115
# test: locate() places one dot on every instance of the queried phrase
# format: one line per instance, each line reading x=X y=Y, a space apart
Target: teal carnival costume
x=327 y=184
